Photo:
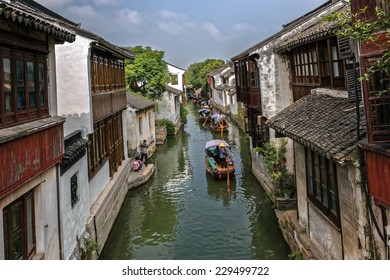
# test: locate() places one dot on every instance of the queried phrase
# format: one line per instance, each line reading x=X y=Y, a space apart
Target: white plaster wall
x=45 y=207
x=98 y=183
x=125 y=135
x=131 y=129
x=324 y=234
x=73 y=85
x=177 y=107
x=167 y=108
x=300 y=176
x=354 y=213
x=73 y=220
x=233 y=106
x=270 y=97
x=273 y=73
x=52 y=79
x=179 y=72
x=148 y=132
x=349 y=243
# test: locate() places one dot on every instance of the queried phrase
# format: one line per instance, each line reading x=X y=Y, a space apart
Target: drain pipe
x=362 y=164
x=367 y=195
x=59 y=213
x=96 y=235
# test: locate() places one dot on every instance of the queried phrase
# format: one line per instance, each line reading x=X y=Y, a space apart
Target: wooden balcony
x=378 y=171
x=105 y=104
x=28 y=150
x=250 y=97
x=378 y=118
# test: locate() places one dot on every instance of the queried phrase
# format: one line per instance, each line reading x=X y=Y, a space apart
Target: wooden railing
x=378 y=177
x=379 y=118
x=250 y=97
x=33 y=148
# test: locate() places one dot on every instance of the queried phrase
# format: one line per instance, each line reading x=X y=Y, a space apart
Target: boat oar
x=205 y=121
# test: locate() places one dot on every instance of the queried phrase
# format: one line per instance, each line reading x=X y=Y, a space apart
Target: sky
x=188 y=31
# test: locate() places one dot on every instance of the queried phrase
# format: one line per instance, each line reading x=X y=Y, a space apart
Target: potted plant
x=275 y=161
x=258 y=150
x=288 y=184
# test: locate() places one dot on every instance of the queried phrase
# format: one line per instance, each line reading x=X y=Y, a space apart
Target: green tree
x=196 y=74
x=148 y=74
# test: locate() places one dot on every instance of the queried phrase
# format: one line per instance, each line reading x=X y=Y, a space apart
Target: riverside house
x=92 y=98
x=31 y=132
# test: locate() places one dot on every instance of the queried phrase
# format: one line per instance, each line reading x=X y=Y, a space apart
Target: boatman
x=222 y=154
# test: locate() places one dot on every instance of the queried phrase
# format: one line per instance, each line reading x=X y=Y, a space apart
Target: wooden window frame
x=27 y=228
x=106 y=143
x=377 y=101
x=107 y=73
x=33 y=87
x=322 y=189
x=314 y=65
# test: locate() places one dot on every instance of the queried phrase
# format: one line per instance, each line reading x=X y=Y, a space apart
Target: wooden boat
x=219 y=123
x=204 y=115
x=219 y=166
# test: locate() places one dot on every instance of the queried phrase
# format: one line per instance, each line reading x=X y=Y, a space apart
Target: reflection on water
x=184 y=213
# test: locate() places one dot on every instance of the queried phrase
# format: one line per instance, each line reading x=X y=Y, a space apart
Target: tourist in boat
x=222 y=155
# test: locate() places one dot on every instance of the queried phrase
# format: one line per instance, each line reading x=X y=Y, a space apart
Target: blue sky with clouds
x=188 y=31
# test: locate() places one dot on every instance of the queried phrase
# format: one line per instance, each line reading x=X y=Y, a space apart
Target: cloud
x=212 y=30
x=171 y=27
x=242 y=27
x=107 y=2
x=86 y=11
x=55 y=4
x=173 y=23
x=169 y=15
x=132 y=17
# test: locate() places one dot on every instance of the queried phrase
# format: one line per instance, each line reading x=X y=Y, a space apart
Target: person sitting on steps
x=137 y=164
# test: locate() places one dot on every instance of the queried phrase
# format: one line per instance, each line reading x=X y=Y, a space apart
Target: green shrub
x=168 y=124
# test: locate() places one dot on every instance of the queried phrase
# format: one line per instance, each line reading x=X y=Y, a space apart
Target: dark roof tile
x=138 y=102
x=322 y=122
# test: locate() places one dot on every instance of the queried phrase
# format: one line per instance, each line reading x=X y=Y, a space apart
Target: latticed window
x=23 y=88
x=322 y=188
x=19 y=228
x=377 y=99
x=74 y=197
x=106 y=142
x=106 y=73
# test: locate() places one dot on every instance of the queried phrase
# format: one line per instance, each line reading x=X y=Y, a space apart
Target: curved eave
x=306 y=39
x=36 y=22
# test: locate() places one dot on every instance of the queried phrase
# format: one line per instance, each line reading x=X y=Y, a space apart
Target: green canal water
x=183 y=213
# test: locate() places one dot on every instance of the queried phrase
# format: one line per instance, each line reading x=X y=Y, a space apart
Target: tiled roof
x=318 y=31
x=290 y=26
x=138 y=102
x=221 y=86
x=173 y=90
x=324 y=123
x=34 y=17
x=75 y=149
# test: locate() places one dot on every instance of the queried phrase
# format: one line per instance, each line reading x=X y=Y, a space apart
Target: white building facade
x=92 y=98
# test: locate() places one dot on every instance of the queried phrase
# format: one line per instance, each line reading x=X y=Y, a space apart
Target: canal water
x=183 y=213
